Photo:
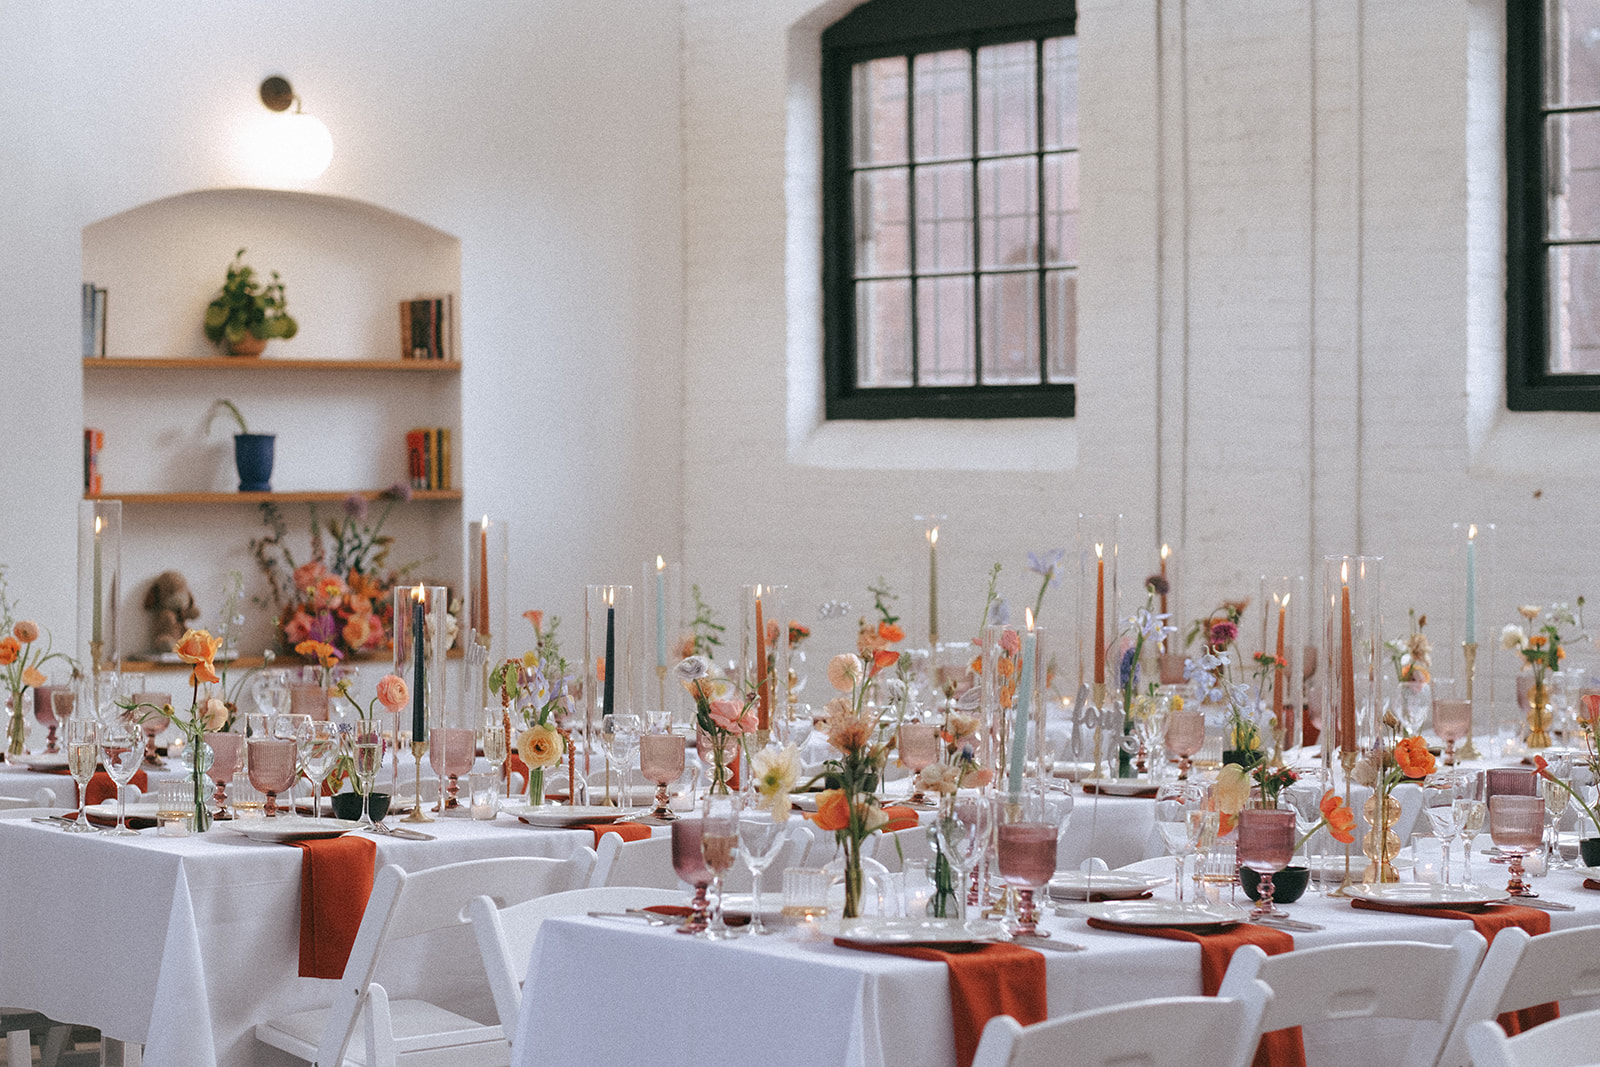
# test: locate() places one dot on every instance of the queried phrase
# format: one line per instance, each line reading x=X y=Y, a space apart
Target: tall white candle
x=1019 y=734
x=1471 y=628
x=96 y=627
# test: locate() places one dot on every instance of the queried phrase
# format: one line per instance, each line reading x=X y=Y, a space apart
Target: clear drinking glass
x=270 y=690
x=689 y=862
x=83 y=756
x=121 y=750
x=964 y=837
x=1444 y=815
x=1472 y=800
x=1555 y=805
x=495 y=742
x=918 y=744
x=295 y=729
x=1517 y=825
x=1029 y=825
x=661 y=760
x=366 y=753
x=619 y=737
x=273 y=763
x=1176 y=802
x=1266 y=845
x=760 y=839
x=227 y=757
x=719 y=848
x=321 y=750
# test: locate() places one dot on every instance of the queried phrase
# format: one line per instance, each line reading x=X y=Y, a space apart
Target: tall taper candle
x=1470 y=629
x=1347 y=668
x=661 y=612
x=610 y=688
x=482 y=622
x=419 y=671
x=1100 y=615
x=95 y=628
x=1019 y=732
x=1278 y=668
x=763 y=708
x=933 y=588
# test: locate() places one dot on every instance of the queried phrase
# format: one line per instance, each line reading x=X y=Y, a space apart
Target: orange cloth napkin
x=101 y=788
x=985 y=981
x=1278 y=1048
x=628 y=831
x=336 y=875
x=1488 y=922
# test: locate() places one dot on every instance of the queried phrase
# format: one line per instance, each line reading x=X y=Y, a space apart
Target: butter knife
x=1541 y=903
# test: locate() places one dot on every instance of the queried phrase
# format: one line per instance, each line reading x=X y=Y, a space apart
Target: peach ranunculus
x=325 y=654
x=33 y=677
x=25 y=631
x=734 y=716
x=890 y=632
x=393 y=693
x=199 y=648
x=1341 y=820
x=844 y=670
x=357 y=628
x=540 y=746
x=978 y=778
x=1232 y=790
x=10 y=647
x=328 y=593
x=850 y=731
x=833 y=810
x=213 y=714
x=1411 y=755
x=1010 y=641
x=942 y=778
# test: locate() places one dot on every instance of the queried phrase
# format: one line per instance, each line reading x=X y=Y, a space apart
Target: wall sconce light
x=288 y=146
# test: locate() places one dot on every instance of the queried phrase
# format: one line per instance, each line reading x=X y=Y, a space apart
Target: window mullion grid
x=911 y=213
x=977 y=228
x=1038 y=203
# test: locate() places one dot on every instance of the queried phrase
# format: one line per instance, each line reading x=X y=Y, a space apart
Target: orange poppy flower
x=325 y=654
x=1413 y=757
x=1341 y=820
x=890 y=632
x=833 y=810
x=883 y=658
x=9 y=649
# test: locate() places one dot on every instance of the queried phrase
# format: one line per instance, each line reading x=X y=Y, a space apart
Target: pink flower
x=309 y=574
x=1010 y=642
x=733 y=716
x=26 y=632
x=298 y=628
x=393 y=693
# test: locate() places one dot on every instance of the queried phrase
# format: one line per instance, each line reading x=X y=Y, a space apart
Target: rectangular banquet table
x=184 y=944
x=616 y=991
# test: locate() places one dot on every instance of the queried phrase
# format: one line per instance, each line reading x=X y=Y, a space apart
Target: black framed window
x=950 y=214
x=1553 y=205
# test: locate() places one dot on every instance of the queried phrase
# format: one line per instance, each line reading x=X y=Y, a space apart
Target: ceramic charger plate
x=559 y=816
x=1160 y=913
x=1426 y=894
x=876 y=930
x=41 y=761
x=288 y=828
x=1121 y=787
x=1108 y=885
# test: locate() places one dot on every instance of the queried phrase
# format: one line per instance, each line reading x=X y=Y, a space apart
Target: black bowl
x=1288 y=885
x=1589 y=849
x=347 y=806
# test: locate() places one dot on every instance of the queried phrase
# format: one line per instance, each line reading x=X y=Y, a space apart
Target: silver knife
x=1046 y=942
x=1541 y=903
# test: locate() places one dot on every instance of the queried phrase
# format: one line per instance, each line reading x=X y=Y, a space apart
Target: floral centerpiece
x=198 y=649
x=1542 y=652
x=1392 y=761
x=1144 y=625
x=1210 y=674
x=958 y=768
x=340 y=596
x=21 y=656
x=1411 y=655
x=540 y=744
x=723 y=720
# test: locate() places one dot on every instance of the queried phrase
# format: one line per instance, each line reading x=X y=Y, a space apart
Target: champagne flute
x=366 y=751
x=689 y=862
x=1555 y=806
x=122 y=750
x=1266 y=845
x=83 y=756
x=760 y=838
x=719 y=848
x=227 y=757
x=272 y=768
x=1030 y=823
x=1517 y=825
x=661 y=760
x=919 y=748
x=320 y=751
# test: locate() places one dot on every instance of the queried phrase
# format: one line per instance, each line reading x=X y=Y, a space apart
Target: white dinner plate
x=54 y=761
x=876 y=930
x=557 y=816
x=1120 y=787
x=137 y=809
x=1333 y=866
x=1109 y=885
x=289 y=828
x=1072 y=770
x=1426 y=894
x=1587 y=872
x=1159 y=913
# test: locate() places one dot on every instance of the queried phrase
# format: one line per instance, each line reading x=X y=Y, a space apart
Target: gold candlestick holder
x=1469 y=656
x=1347 y=759
x=418 y=750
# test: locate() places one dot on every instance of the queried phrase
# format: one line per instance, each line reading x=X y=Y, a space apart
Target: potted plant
x=245 y=314
x=252 y=452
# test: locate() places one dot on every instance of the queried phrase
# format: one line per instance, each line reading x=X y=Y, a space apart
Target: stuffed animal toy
x=171 y=606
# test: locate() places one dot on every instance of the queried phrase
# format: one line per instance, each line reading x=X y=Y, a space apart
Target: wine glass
x=1452 y=721
x=227 y=757
x=273 y=762
x=295 y=728
x=1555 y=805
x=1176 y=802
x=619 y=736
x=919 y=748
x=1473 y=805
x=1517 y=825
x=1444 y=815
x=83 y=756
x=661 y=758
x=1266 y=845
x=495 y=742
x=688 y=860
x=719 y=847
x=122 y=750
x=46 y=701
x=366 y=757
x=1029 y=824
x=964 y=838
x=270 y=690
x=1186 y=733
x=451 y=751
x=760 y=839
x=1151 y=730
x=320 y=751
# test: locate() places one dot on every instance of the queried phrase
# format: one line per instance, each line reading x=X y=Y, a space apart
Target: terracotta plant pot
x=248 y=345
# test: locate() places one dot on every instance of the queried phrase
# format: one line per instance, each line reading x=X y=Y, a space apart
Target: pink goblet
x=1266 y=845
x=451 y=751
x=1517 y=825
x=227 y=756
x=1186 y=733
x=153 y=725
x=1029 y=825
x=1452 y=721
x=44 y=711
x=919 y=748
x=689 y=861
x=272 y=768
x=661 y=759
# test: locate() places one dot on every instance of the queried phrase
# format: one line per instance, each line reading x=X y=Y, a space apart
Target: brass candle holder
x=418 y=750
x=1347 y=759
x=1469 y=656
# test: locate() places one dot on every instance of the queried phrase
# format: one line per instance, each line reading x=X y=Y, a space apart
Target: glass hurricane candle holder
x=610 y=658
x=99 y=584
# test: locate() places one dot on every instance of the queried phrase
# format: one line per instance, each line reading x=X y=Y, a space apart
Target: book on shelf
x=427 y=328
x=93 y=441
x=428 y=457
x=94 y=321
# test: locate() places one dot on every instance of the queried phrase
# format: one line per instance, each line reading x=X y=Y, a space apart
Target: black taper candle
x=611 y=653
x=419 y=675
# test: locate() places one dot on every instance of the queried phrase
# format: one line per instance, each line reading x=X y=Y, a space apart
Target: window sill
x=940 y=444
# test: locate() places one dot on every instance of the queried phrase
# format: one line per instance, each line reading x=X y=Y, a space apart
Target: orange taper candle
x=1100 y=616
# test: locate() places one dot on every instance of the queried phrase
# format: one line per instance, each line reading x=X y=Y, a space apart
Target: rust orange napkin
x=629 y=831
x=1488 y=922
x=336 y=875
x=1278 y=1048
x=101 y=788
x=985 y=981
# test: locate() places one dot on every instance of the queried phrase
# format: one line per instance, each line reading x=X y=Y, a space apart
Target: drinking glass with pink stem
x=689 y=861
x=661 y=760
x=919 y=748
x=451 y=752
x=1186 y=732
x=1452 y=721
x=1029 y=823
x=227 y=756
x=1517 y=825
x=1266 y=845
x=273 y=764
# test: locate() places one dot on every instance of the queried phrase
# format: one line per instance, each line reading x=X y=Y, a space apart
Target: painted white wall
x=544 y=137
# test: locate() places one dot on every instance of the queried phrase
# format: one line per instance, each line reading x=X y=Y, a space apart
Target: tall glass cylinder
x=999 y=659
x=99 y=584
x=1169 y=649
x=1285 y=611
x=488 y=560
x=1098 y=609
x=929 y=534
x=1352 y=643
x=1479 y=670
x=610 y=659
x=1023 y=723
x=421 y=639
x=664 y=635
x=764 y=651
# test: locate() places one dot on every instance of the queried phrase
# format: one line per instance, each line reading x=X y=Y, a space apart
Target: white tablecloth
x=183 y=944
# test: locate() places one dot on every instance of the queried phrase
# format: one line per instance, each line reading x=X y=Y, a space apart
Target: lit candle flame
x=420 y=593
x=933 y=536
x=1472 y=531
x=1344 y=573
x=661 y=564
x=1027 y=613
x=1166 y=551
x=1099 y=550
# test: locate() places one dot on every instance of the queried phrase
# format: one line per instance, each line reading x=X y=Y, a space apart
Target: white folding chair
x=1570 y=1042
x=1169 y=1032
x=401 y=906
x=43 y=797
x=506 y=935
x=1367 y=980
x=1520 y=971
x=646 y=862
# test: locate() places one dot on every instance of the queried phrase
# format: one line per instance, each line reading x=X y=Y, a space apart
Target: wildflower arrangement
x=1209 y=674
x=1411 y=655
x=540 y=742
x=1048 y=566
x=1220 y=628
x=705 y=632
x=1145 y=624
x=723 y=717
x=1541 y=648
x=873 y=635
x=21 y=657
x=958 y=768
x=198 y=648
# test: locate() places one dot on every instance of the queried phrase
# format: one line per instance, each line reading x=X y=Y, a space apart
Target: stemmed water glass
x=760 y=839
x=1266 y=845
x=1555 y=805
x=122 y=750
x=1030 y=823
x=295 y=729
x=719 y=847
x=1470 y=802
x=1186 y=733
x=1517 y=825
x=270 y=689
x=153 y=722
x=495 y=742
x=661 y=759
x=273 y=764
x=83 y=755
x=227 y=757
x=1176 y=805
x=619 y=736
x=321 y=748
x=918 y=744
x=1452 y=721
x=1151 y=730
x=1445 y=815
x=964 y=838
x=451 y=751
x=689 y=862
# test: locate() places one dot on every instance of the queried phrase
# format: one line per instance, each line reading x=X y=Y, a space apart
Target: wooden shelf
x=264 y=365
x=247 y=663
x=331 y=496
